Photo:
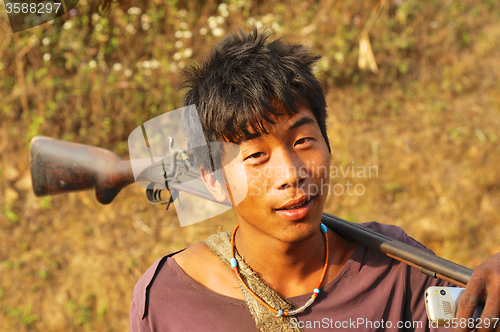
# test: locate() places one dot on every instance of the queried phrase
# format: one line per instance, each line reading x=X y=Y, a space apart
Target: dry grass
x=429 y=119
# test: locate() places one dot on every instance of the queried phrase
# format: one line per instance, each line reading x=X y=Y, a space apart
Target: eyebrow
x=298 y=123
x=303 y=121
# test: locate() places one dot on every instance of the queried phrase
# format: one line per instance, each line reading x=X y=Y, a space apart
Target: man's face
x=287 y=178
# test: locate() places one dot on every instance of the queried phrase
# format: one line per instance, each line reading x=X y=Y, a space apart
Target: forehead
x=284 y=123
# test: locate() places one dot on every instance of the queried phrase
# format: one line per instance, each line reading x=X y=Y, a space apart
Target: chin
x=298 y=232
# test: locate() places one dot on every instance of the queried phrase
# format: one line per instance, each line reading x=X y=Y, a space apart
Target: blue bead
x=316 y=291
x=234 y=263
x=280 y=313
x=323 y=228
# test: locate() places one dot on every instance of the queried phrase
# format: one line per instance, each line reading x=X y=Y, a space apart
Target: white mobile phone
x=441 y=304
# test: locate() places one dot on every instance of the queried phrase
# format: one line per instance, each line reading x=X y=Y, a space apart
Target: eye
x=303 y=140
x=254 y=156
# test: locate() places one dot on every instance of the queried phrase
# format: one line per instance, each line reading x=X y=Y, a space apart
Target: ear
x=213 y=185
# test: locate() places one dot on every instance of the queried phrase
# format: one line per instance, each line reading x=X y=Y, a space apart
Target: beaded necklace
x=234 y=265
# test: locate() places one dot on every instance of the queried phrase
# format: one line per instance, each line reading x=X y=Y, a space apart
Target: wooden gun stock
x=58 y=167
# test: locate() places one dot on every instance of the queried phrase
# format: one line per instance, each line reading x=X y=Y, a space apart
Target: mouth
x=296 y=204
x=296 y=209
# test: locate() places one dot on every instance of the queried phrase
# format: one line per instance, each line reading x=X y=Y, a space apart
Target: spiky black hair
x=236 y=88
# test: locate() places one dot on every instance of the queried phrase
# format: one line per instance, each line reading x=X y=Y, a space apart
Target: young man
x=280 y=270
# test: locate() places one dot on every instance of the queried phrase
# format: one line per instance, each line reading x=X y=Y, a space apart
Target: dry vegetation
x=429 y=119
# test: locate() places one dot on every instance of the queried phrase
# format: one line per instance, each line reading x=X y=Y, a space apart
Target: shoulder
x=204 y=267
x=140 y=297
x=197 y=263
x=194 y=256
x=394 y=232
x=188 y=259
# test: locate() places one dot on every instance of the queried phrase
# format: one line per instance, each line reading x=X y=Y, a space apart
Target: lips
x=296 y=209
x=295 y=204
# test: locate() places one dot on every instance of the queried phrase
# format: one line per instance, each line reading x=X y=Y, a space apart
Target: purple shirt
x=372 y=293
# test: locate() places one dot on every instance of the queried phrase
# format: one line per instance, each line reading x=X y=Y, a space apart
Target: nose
x=290 y=169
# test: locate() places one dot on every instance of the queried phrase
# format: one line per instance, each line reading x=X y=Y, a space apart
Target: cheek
x=256 y=184
x=319 y=158
x=319 y=173
x=323 y=167
x=236 y=181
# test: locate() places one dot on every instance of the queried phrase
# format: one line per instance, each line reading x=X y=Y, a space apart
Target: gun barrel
x=428 y=263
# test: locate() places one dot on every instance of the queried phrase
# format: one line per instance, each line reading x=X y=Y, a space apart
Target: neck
x=291 y=269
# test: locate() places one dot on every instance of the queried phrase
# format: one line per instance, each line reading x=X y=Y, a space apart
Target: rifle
x=58 y=167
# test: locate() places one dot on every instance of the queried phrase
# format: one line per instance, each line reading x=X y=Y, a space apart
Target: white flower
x=134 y=11
x=67 y=25
x=188 y=34
x=217 y=32
x=220 y=20
x=177 y=56
x=128 y=72
x=145 y=18
x=145 y=26
x=92 y=64
x=183 y=25
x=188 y=52
x=203 y=31
x=155 y=64
x=268 y=18
x=33 y=40
x=46 y=57
x=224 y=13
x=222 y=7
x=96 y=17
x=339 y=56
x=211 y=19
x=98 y=27
x=146 y=64
x=212 y=24
x=178 y=34
x=181 y=13
x=178 y=44
x=130 y=29
x=117 y=67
